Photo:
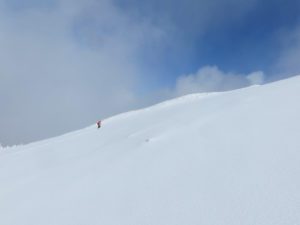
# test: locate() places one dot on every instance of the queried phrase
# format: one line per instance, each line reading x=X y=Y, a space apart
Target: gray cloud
x=58 y=74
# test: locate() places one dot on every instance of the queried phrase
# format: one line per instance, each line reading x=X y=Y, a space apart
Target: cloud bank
x=207 y=79
x=65 y=64
x=211 y=79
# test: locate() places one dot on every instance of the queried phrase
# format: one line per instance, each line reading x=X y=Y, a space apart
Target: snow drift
x=230 y=158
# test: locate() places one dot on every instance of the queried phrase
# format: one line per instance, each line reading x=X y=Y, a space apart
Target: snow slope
x=230 y=158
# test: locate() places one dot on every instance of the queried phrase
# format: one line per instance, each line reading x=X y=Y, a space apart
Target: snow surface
x=230 y=158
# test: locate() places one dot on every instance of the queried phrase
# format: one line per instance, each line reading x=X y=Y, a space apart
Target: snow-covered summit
x=220 y=158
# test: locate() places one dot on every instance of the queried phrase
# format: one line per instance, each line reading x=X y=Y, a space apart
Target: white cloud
x=211 y=78
x=256 y=78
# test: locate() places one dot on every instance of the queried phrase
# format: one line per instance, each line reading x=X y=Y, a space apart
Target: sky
x=65 y=64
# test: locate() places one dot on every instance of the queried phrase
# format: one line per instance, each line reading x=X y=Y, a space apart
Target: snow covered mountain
x=230 y=158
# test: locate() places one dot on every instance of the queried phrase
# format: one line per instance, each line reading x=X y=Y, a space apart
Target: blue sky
x=241 y=43
x=65 y=64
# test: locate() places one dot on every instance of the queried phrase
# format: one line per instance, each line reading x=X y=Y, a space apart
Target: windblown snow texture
x=230 y=158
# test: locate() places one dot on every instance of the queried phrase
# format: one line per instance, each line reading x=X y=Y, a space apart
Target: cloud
x=288 y=61
x=66 y=64
x=187 y=24
x=256 y=78
x=212 y=79
x=206 y=79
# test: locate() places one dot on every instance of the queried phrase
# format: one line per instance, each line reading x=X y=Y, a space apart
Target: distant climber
x=99 y=124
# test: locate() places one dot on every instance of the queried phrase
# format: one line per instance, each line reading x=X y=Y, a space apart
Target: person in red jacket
x=99 y=124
